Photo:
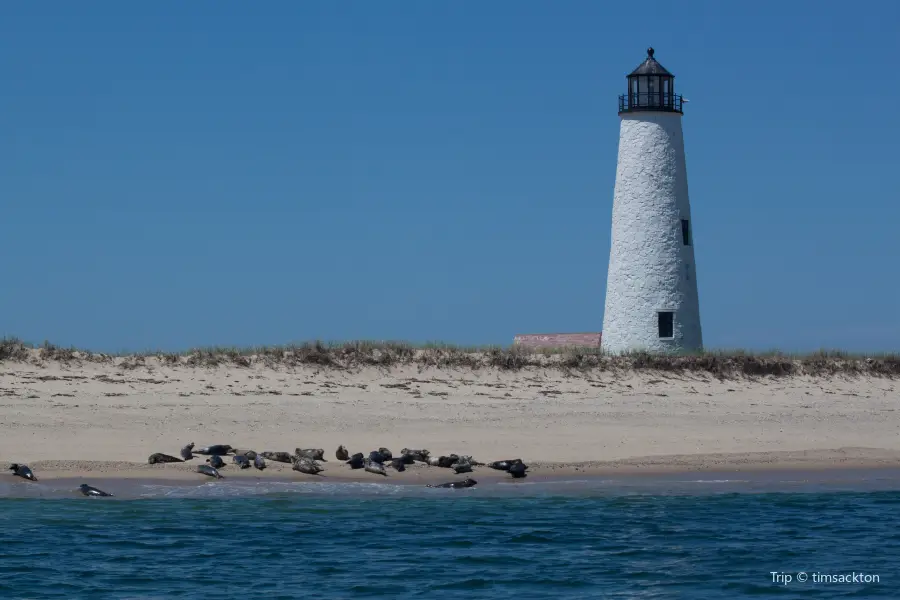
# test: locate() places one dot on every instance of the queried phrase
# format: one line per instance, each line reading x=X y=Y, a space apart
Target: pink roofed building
x=557 y=340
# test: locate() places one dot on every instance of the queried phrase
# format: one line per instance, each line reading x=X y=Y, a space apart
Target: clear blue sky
x=178 y=174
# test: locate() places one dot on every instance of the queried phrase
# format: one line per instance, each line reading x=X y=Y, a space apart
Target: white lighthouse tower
x=651 y=289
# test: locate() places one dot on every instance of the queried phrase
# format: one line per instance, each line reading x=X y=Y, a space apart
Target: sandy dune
x=106 y=417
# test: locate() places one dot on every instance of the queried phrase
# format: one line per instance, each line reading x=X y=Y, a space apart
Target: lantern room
x=650 y=88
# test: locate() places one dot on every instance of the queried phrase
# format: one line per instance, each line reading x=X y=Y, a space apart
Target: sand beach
x=68 y=416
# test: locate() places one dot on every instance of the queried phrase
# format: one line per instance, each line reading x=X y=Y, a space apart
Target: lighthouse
x=651 y=289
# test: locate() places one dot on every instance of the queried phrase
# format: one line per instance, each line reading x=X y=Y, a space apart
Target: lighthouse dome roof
x=650 y=66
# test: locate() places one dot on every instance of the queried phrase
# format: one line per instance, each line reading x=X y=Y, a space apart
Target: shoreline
x=824 y=462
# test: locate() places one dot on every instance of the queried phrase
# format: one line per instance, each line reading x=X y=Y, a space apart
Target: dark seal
x=504 y=465
x=399 y=464
x=259 y=462
x=241 y=460
x=215 y=450
x=22 y=471
x=376 y=456
x=357 y=461
x=447 y=462
x=208 y=470
x=159 y=457
x=215 y=461
x=466 y=483
x=92 y=491
x=517 y=470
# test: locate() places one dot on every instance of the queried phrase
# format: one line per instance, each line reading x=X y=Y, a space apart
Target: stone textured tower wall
x=650 y=267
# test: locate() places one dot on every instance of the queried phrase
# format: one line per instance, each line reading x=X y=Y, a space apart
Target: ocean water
x=670 y=538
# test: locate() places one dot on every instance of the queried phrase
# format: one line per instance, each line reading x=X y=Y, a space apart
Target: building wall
x=650 y=268
x=551 y=340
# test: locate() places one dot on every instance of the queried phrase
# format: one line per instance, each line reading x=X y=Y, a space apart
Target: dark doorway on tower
x=686 y=232
x=666 y=323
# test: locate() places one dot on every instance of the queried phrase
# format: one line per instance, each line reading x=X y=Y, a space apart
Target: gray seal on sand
x=357 y=461
x=462 y=467
x=307 y=465
x=387 y=454
x=208 y=470
x=311 y=453
x=466 y=483
x=241 y=460
x=277 y=456
x=92 y=491
x=215 y=461
x=374 y=467
x=399 y=464
x=159 y=457
x=341 y=453
x=22 y=471
x=215 y=450
x=187 y=453
x=419 y=455
x=259 y=462
x=248 y=453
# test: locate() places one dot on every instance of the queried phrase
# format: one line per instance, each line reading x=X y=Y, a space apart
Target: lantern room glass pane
x=653 y=91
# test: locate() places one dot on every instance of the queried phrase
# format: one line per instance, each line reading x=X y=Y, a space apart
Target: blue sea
x=668 y=537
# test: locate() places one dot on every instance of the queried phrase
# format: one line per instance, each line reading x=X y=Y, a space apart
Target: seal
x=248 y=453
x=503 y=465
x=311 y=453
x=277 y=456
x=399 y=464
x=159 y=457
x=215 y=450
x=259 y=462
x=387 y=454
x=462 y=467
x=375 y=467
x=208 y=470
x=22 y=471
x=419 y=455
x=448 y=461
x=92 y=491
x=376 y=456
x=356 y=461
x=466 y=483
x=517 y=470
x=215 y=461
x=187 y=453
x=341 y=453
x=307 y=465
x=241 y=460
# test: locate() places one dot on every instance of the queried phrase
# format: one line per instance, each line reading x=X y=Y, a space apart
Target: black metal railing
x=650 y=101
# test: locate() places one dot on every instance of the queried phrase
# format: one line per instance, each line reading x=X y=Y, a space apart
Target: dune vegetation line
x=387 y=354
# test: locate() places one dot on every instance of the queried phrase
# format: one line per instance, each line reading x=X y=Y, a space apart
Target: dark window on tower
x=686 y=232
x=666 y=324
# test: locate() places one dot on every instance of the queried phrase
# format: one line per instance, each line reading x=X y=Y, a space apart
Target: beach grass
x=385 y=354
